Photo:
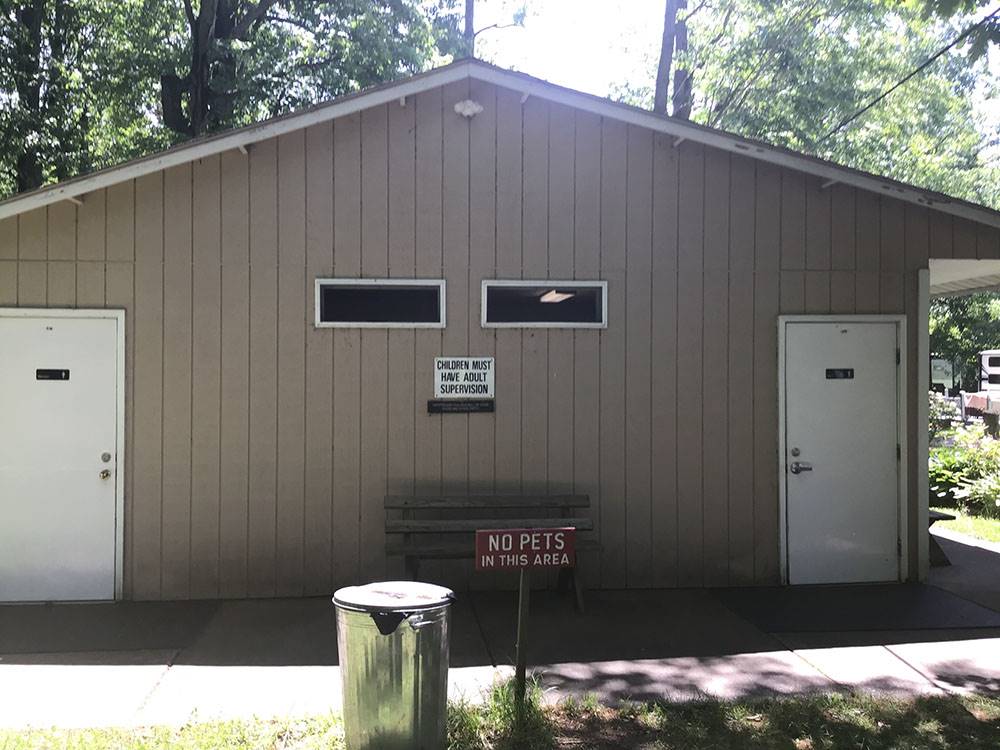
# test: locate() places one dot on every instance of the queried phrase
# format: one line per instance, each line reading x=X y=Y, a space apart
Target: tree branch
x=497 y=26
x=689 y=16
x=189 y=12
x=206 y=22
x=291 y=22
x=242 y=29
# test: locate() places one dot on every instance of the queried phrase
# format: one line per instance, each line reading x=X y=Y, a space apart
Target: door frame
x=117 y=315
x=901 y=432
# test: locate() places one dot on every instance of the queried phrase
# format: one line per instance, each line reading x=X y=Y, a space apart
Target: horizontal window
x=380 y=303
x=544 y=304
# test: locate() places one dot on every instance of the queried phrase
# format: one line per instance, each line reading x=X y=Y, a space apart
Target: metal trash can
x=392 y=640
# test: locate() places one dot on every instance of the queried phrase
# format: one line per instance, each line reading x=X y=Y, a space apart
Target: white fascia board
x=238 y=139
x=831 y=173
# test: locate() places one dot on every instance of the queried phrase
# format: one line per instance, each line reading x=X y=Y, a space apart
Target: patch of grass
x=827 y=722
x=987 y=529
x=802 y=723
x=313 y=733
x=504 y=731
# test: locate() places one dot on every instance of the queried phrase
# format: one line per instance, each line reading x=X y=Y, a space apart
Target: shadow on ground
x=974 y=573
x=618 y=625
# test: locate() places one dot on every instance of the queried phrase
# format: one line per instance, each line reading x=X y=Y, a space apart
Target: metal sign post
x=521 y=647
x=523 y=550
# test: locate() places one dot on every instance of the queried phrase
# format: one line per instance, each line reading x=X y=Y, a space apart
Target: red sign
x=503 y=549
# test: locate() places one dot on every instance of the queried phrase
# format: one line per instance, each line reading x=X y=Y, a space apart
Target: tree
x=674 y=46
x=75 y=87
x=249 y=59
x=787 y=71
x=982 y=37
x=41 y=122
x=961 y=327
x=89 y=83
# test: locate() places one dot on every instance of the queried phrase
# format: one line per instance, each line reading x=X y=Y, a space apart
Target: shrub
x=941 y=415
x=964 y=470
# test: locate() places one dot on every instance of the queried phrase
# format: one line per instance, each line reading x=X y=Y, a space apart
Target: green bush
x=964 y=471
x=941 y=415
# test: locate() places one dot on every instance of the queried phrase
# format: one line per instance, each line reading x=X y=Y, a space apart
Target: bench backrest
x=464 y=513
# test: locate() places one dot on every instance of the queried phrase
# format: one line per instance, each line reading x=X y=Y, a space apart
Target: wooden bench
x=443 y=527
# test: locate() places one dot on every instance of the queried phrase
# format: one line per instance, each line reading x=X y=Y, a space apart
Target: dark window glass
x=993 y=362
x=994 y=379
x=544 y=304
x=355 y=303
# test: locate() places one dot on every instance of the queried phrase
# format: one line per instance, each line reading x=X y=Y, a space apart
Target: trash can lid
x=388 y=596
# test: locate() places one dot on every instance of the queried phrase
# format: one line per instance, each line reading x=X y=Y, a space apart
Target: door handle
x=798 y=467
x=105 y=474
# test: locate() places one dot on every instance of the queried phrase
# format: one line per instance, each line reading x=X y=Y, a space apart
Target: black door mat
x=798 y=609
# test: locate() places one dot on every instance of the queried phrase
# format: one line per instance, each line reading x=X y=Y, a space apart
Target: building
x=704 y=384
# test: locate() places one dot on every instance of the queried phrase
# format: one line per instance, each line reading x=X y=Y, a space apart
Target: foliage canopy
x=88 y=83
x=788 y=71
x=961 y=327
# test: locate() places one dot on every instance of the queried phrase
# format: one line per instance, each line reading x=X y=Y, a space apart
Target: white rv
x=989 y=370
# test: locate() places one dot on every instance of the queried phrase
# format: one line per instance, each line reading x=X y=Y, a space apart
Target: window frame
x=395 y=282
x=595 y=284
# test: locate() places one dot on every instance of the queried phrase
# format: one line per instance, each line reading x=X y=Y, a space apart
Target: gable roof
x=681 y=130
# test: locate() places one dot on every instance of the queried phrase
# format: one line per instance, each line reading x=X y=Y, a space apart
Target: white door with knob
x=60 y=401
x=843 y=448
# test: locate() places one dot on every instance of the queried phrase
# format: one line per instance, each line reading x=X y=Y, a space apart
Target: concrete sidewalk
x=134 y=664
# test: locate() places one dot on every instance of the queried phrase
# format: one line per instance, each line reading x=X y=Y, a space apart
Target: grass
x=289 y=734
x=987 y=529
x=795 y=723
x=800 y=723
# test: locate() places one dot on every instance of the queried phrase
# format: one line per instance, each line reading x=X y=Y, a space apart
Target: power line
x=847 y=121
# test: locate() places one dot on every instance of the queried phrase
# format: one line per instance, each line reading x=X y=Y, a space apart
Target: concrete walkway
x=134 y=664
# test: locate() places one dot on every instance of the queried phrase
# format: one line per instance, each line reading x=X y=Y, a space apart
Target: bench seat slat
x=454 y=525
x=468 y=502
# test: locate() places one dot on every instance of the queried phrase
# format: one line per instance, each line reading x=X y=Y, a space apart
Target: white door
x=841 y=462
x=58 y=458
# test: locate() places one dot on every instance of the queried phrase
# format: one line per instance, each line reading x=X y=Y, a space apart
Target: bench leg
x=578 y=588
x=562 y=579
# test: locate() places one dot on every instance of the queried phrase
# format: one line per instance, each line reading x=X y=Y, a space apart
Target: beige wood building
x=256 y=446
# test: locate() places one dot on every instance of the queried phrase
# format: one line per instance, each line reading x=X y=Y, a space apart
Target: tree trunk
x=27 y=67
x=470 y=29
x=200 y=94
x=682 y=76
x=666 y=57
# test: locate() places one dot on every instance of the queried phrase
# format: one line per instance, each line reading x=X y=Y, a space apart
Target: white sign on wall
x=463 y=377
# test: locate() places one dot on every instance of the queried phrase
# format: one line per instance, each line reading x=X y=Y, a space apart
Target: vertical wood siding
x=259 y=448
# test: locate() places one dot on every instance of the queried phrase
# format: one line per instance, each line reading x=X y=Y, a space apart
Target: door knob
x=105 y=473
x=798 y=467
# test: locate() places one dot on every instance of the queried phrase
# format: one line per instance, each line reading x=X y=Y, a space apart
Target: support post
x=520 y=669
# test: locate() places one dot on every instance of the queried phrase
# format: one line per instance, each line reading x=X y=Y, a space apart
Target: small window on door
x=544 y=304
x=380 y=303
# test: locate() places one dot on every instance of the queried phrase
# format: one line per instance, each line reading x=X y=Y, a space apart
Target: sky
x=590 y=45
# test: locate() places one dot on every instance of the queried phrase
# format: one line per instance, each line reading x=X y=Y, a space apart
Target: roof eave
x=829 y=172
